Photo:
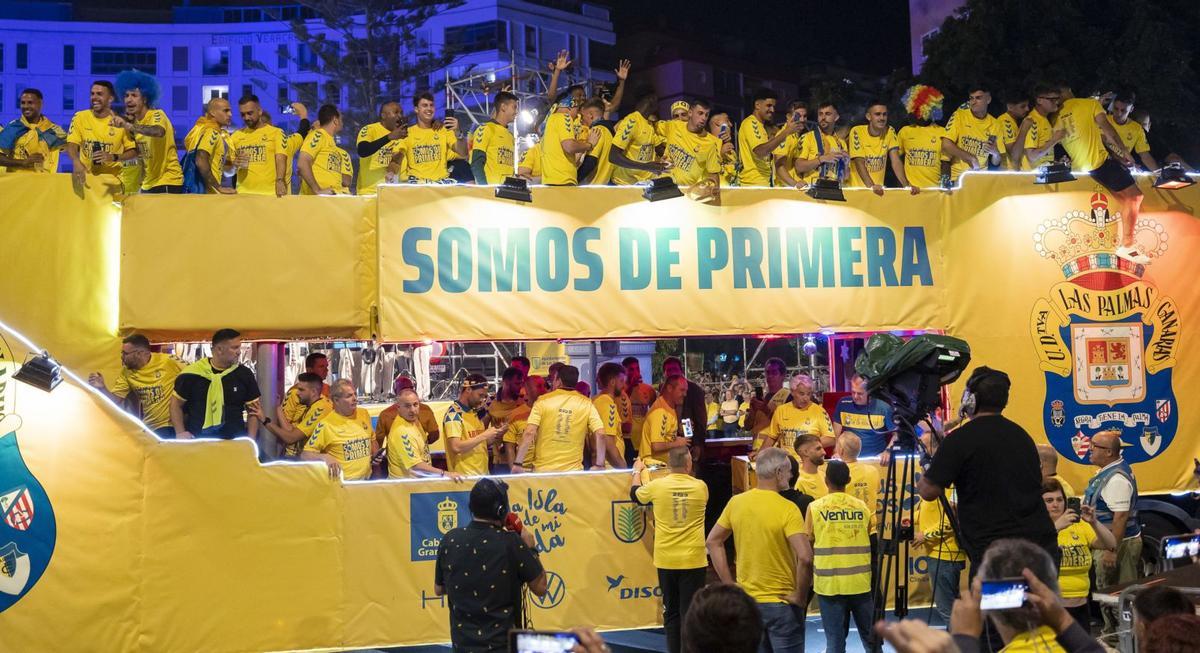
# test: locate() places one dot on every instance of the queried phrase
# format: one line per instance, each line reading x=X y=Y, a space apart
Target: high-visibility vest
x=841 y=547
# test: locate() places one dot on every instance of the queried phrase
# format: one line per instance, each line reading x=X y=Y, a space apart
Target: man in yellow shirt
x=973 y=139
x=660 y=432
x=864 y=477
x=94 y=145
x=207 y=139
x=1133 y=137
x=1088 y=132
x=535 y=386
x=531 y=164
x=829 y=161
x=430 y=145
x=774 y=556
x=152 y=131
x=1036 y=135
x=785 y=154
x=294 y=425
x=407 y=448
x=562 y=147
x=558 y=424
x=695 y=155
x=321 y=164
x=762 y=409
x=150 y=376
x=379 y=143
x=429 y=421
x=466 y=439
x=801 y=416
x=678 y=500
x=1016 y=108
x=921 y=142
x=493 y=145
x=756 y=146
x=598 y=157
x=314 y=363
x=635 y=144
x=342 y=439
x=259 y=153
x=641 y=397
x=31 y=142
x=837 y=524
x=812 y=465
x=1048 y=458
x=610 y=381
x=501 y=407
x=872 y=146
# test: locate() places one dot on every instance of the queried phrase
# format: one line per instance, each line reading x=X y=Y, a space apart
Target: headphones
x=500 y=509
x=969 y=403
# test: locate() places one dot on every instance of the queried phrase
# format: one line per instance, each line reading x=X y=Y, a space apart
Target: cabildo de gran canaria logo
x=1106 y=337
x=28 y=530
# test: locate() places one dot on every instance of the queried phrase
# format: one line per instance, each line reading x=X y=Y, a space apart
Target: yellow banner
x=542 y=355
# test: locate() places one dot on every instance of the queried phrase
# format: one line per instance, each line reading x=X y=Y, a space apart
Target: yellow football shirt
x=872 y=149
x=1075 y=542
x=327 y=163
x=532 y=159
x=558 y=168
x=678 y=501
x=940 y=543
x=94 y=134
x=291 y=145
x=604 y=168
x=307 y=422
x=429 y=151
x=755 y=171
x=808 y=150
x=864 y=486
x=260 y=146
x=637 y=139
x=406 y=448
x=372 y=170
x=497 y=144
x=564 y=419
x=610 y=417
x=812 y=484
x=761 y=521
x=131 y=175
x=1132 y=135
x=789 y=422
x=693 y=156
x=293 y=410
x=972 y=134
x=160 y=159
x=1008 y=133
x=922 y=151
x=461 y=422
x=661 y=425
x=1083 y=142
x=31 y=143
x=1036 y=138
x=205 y=138
x=153 y=384
x=347 y=440
x=641 y=397
x=517 y=421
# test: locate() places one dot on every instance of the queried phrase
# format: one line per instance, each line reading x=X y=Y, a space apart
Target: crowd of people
x=809 y=531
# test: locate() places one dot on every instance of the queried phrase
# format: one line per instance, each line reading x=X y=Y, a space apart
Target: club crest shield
x=1106 y=337
x=628 y=521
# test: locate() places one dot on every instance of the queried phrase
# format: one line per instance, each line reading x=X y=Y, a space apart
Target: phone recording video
x=1181 y=546
x=1075 y=504
x=541 y=641
x=1003 y=594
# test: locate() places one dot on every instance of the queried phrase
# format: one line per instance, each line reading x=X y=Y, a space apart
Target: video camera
x=909 y=375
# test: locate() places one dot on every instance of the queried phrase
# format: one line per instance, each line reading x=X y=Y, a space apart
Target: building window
x=110 y=61
x=531 y=41
x=282 y=54
x=179 y=98
x=179 y=59
x=602 y=56
x=214 y=91
x=489 y=35
x=281 y=96
x=216 y=61
x=305 y=58
x=1 y=57
x=68 y=57
x=247 y=57
x=68 y=97
x=22 y=56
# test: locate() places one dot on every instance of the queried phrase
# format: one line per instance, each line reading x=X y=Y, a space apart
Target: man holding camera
x=481 y=568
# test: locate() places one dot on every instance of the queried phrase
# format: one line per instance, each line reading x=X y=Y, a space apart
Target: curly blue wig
x=129 y=80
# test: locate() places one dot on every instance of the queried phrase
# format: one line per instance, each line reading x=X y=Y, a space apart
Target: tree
x=1149 y=46
x=368 y=48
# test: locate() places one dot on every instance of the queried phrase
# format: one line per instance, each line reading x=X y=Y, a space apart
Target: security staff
x=838 y=525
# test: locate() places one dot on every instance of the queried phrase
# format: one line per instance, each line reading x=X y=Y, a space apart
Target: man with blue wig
x=150 y=128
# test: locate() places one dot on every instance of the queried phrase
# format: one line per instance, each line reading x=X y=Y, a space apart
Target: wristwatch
x=266 y=420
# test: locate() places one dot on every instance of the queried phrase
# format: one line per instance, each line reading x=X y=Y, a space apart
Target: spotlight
x=527 y=116
x=661 y=188
x=514 y=188
x=40 y=371
x=1054 y=173
x=826 y=189
x=1173 y=177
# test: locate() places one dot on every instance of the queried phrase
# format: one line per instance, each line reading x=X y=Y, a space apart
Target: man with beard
x=207 y=139
x=152 y=131
x=610 y=381
x=259 y=152
x=695 y=155
x=785 y=154
x=756 y=146
x=535 y=386
x=31 y=142
x=378 y=143
x=466 y=439
x=812 y=466
x=94 y=145
x=323 y=166
x=828 y=159
x=635 y=143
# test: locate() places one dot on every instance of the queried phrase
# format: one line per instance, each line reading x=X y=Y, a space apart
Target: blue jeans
x=835 y=612
x=783 y=628
x=944 y=577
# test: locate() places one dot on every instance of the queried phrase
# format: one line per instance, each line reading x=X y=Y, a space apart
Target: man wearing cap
x=1112 y=492
x=466 y=439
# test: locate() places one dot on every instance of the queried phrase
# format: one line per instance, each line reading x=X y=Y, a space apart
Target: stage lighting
x=661 y=188
x=1173 y=177
x=527 y=116
x=1054 y=173
x=514 y=188
x=40 y=371
x=826 y=189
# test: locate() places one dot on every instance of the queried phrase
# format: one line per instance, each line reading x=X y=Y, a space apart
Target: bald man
x=1049 y=460
x=864 y=477
x=207 y=139
x=1113 y=494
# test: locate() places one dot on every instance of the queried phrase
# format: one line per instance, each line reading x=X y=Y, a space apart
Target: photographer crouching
x=481 y=568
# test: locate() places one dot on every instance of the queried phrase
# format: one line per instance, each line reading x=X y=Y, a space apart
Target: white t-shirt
x=1117 y=493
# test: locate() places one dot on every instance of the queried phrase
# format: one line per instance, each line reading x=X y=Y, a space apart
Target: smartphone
x=1186 y=545
x=1003 y=594
x=541 y=641
x=688 y=431
x=1076 y=504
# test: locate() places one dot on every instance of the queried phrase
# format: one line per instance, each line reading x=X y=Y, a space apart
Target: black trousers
x=678 y=588
x=165 y=189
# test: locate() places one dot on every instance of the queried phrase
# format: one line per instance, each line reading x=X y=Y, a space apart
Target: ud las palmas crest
x=1106 y=337
x=27 y=527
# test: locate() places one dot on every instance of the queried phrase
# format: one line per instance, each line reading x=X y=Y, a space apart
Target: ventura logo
x=628 y=593
x=842 y=515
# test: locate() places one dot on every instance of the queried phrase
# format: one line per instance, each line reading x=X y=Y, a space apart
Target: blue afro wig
x=129 y=80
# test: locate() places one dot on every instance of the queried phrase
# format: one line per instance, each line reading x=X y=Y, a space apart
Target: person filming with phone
x=1079 y=533
x=481 y=568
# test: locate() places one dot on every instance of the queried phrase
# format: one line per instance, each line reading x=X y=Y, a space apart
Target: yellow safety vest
x=841 y=548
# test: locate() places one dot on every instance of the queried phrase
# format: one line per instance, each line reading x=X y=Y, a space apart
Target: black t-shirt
x=240 y=388
x=482 y=568
x=799 y=498
x=993 y=465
